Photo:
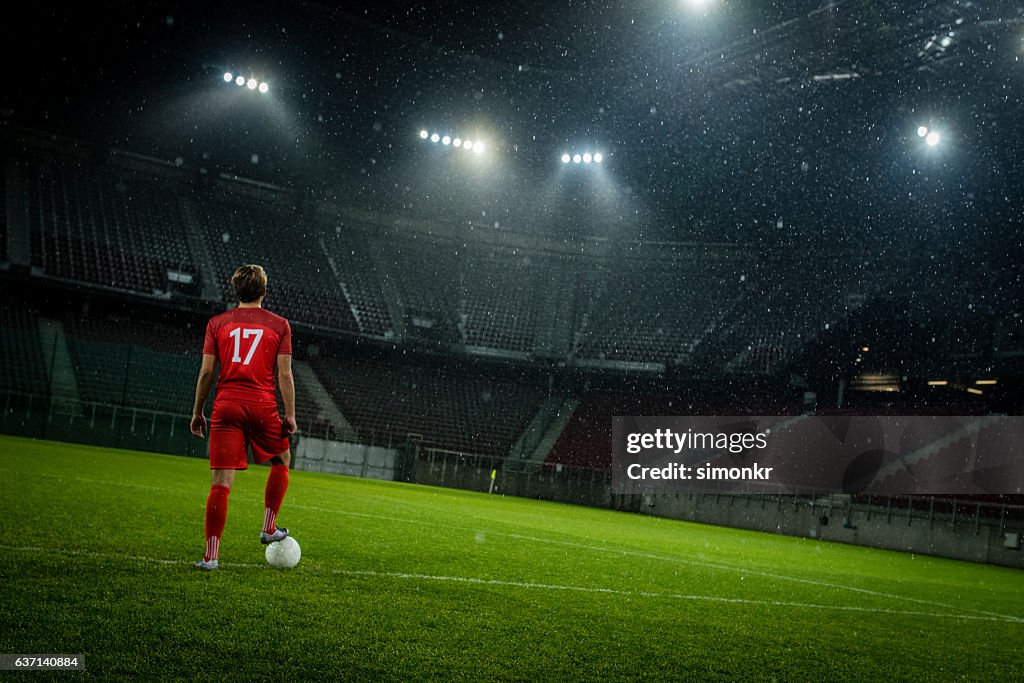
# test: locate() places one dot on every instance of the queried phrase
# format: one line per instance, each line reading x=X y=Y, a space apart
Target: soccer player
x=248 y=342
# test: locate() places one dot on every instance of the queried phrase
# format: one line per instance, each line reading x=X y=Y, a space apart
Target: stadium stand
x=133 y=364
x=657 y=310
x=3 y=212
x=309 y=418
x=22 y=365
x=586 y=440
x=779 y=316
x=453 y=410
x=107 y=227
x=303 y=288
x=360 y=279
x=499 y=306
x=121 y=227
x=137 y=364
x=725 y=309
x=426 y=274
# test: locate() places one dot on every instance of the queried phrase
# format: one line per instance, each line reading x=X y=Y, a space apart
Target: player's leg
x=217 y=512
x=277 y=485
x=269 y=443
x=227 y=454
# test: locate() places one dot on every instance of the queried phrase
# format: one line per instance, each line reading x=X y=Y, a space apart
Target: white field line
x=594 y=548
x=115 y=556
x=676 y=560
x=672 y=596
x=542 y=586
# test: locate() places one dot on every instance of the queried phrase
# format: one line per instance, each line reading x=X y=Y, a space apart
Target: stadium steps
x=341 y=427
x=595 y=284
x=555 y=326
x=341 y=283
x=543 y=431
x=63 y=384
x=389 y=289
x=19 y=239
x=717 y=323
x=200 y=255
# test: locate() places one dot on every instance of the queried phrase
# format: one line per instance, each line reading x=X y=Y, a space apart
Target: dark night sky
x=718 y=122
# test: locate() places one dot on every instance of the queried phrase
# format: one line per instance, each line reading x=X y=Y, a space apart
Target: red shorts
x=237 y=425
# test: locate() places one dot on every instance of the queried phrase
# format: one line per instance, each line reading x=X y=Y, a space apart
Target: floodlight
x=933 y=139
x=446 y=140
x=264 y=87
x=587 y=158
x=598 y=158
x=468 y=144
x=922 y=131
x=228 y=77
x=576 y=159
x=424 y=135
x=240 y=80
x=478 y=147
x=457 y=142
x=565 y=158
x=251 y=83
x=435 y=137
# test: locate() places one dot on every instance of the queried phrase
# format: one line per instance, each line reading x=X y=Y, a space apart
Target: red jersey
x=247 y=342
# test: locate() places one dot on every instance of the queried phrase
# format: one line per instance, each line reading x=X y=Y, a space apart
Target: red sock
x=277 y=484
x=216 y=515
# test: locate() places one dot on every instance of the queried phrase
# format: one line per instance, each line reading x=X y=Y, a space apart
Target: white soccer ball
x=284 y=554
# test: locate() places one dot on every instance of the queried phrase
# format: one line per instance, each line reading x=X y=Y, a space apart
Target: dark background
x=712 y=122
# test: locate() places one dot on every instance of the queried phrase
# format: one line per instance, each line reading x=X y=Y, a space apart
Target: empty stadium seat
x=450 y=410
x=426 y=275
x=139 y=364
x=501 y=298
x=102 y=226
x=302 y=285
x=645 y=310
x=3 y=212
x=135 y=364
x=360 y=280
x=22 y=365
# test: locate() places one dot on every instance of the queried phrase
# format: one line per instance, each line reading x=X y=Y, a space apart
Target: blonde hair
x=249 y=283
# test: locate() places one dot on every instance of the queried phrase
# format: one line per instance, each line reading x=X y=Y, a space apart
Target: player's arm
x=286 y=382
x=203 y=385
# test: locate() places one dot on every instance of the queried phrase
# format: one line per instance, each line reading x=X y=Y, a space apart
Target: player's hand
x=198 y=425
x=288 y=425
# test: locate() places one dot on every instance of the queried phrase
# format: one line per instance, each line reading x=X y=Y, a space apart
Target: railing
x=103 y=424
x=588 y=486
x=50 y=417
x=99 y=424
x=513 y=476
x=955 y=513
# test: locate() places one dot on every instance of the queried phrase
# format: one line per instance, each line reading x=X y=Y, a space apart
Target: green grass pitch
x=404 y=582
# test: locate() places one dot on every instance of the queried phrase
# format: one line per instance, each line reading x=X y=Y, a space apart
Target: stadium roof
x=720 y=119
